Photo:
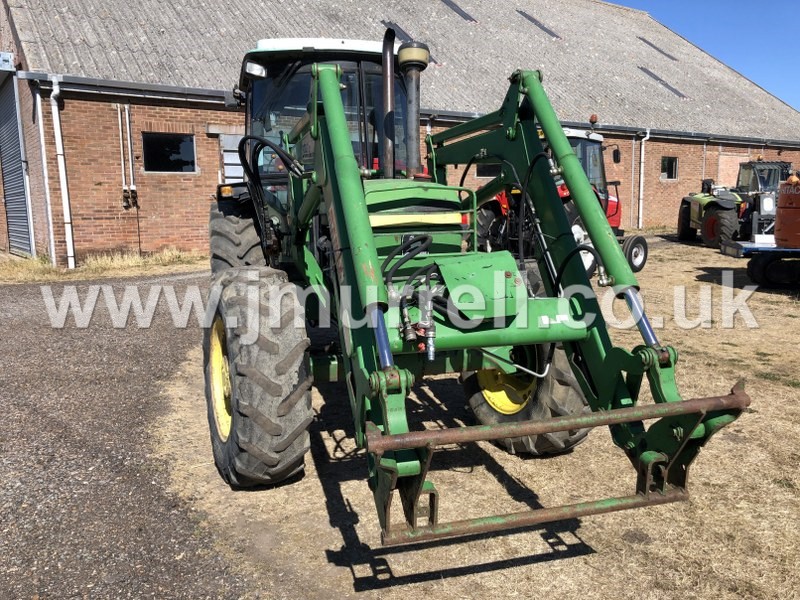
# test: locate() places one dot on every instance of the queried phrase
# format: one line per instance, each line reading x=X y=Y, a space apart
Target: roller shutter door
x=19 y=233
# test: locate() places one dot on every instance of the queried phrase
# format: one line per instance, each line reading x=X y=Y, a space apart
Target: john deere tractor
x=337 y=229
x=721 y=214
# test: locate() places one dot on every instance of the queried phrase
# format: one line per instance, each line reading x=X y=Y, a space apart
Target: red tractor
x=588 y=146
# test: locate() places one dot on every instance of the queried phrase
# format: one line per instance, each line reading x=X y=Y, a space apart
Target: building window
x=168 y=152
x=487 y=170
x=669 y=167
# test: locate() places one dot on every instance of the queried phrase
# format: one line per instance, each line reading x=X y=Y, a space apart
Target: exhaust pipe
x=387 y=156
x=413 y=58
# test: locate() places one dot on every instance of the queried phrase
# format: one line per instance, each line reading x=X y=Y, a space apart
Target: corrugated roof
x=596 y=57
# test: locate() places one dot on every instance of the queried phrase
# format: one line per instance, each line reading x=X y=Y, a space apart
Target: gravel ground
x=84 y=510
x=110 y=491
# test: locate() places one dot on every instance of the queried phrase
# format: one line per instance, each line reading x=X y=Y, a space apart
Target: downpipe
x=61 y=160
x=45 y=177
x=640 y=217
x=126 y=194
x=132 y=177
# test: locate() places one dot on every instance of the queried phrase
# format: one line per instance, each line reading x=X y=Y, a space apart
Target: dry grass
x=737 y=538
x=114 y=264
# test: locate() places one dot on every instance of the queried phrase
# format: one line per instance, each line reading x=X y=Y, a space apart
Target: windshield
x=768 y=177
x=590 y=153
x=761 y=178
x=280 y=100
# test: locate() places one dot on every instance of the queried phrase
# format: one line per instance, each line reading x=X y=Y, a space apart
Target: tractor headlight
x=767 y=205
x=255 y=70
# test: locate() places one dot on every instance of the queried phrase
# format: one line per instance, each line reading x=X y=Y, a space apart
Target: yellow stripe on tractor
x=415 y=219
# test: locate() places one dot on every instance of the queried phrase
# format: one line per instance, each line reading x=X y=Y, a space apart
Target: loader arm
x=398 y=248
x=611 y=377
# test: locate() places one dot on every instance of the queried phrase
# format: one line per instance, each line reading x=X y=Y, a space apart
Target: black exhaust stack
x=413 y=58
x=387 y=155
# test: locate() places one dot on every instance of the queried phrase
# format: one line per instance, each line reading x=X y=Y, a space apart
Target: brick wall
x=696 y=161
x=662 y=197
x=173 y=206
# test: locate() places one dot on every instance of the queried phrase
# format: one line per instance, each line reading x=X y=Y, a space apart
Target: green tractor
x=338 y=229
x=721 y=214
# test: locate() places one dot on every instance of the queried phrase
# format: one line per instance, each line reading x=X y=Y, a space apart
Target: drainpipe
x=132 y=179
x=640 y=222
x=126 y=194
x=55 y=95
x=633 y=182
x=45 y=176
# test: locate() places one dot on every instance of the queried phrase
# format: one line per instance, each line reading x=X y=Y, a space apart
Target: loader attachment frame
x=380 y=359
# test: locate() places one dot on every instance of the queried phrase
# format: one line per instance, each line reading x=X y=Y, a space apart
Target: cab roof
x=278 y=48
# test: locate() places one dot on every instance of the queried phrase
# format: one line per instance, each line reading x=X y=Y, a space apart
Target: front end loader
x=339 y=228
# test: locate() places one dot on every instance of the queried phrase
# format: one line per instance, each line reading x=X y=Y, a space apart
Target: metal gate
x=11 y=161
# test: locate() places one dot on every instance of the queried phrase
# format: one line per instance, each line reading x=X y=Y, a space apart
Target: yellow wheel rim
x=507 y=394
x=220 y=376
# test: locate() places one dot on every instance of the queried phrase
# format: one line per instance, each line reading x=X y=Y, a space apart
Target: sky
x=761 y=40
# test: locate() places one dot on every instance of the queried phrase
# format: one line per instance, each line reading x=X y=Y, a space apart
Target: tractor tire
x=635 y=250
x=718 y=225
x=686 y=233
x=491 y=397
x=234 y=237
x=257 y=384
x=774 y=271
x=557 y=394
x=755 y=269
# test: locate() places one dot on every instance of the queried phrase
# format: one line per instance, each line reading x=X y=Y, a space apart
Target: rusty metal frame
x=647 y=493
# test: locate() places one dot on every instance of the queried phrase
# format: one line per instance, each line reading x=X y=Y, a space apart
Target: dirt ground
x=737 y=537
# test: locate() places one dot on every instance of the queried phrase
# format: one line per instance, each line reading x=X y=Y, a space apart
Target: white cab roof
x=320 y=45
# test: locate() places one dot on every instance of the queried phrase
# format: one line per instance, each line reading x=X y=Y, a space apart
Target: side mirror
x=616 y=156
x=234 y=98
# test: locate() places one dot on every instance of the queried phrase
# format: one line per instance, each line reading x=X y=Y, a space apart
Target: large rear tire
x=257 y=383
x=499 y=398
x=718 y=225
x=233 y=237
x=686 y=233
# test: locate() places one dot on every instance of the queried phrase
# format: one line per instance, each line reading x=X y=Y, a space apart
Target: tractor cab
x=275 y=85
x=588 y=146
x=761 y=176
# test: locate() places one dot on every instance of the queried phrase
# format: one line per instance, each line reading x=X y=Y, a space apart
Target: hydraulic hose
x=287 y=159
x=424 y=243
x=525 y=182
x=574 y=252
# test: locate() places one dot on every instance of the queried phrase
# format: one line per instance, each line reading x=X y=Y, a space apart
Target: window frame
x=664 y=173
x=196 y=169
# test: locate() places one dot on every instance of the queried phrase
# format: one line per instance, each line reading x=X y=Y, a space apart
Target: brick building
x=114 y=133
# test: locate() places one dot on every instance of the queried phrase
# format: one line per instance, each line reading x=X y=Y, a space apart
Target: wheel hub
x=507 y=394
x=637 y=254
x=220 y=379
